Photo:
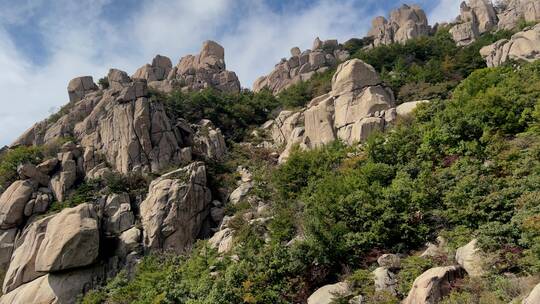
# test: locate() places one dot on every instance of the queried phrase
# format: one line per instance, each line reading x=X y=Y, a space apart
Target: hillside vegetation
x=467 y=165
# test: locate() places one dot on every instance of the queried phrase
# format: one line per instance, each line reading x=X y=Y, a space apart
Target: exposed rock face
x=385 y=280
x=52 y=288
x=407 y=108
x=355 y=108
x=405 y=23
x=433 y=285
x=302 y=65
x=222 y=240
x=534 y=296
x=175 y=208
x=516 y=10
x=12 y=203
x=470 y=257
x=390 y=261
x=67 y=240
x=79 y=87
x=327 y=294
x=7 y=239
x=117 y=213
x=158 y=70
x=524 y=45
x=66 y=177
x=476 y=17
x=208 y=141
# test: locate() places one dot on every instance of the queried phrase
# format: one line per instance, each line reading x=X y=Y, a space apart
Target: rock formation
x=405 y=22
x=327 y=294
x=175 y=208
x=534 y=296
x=514 y=11
x=357 y=106
x=471 y=258
x=524 y=45
x=433 y=285
x=301 y=66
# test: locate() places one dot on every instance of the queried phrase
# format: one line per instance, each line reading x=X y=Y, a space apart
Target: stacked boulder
x=406 y=22
x=192 y=73
x=358 y=105
x=524 y=45
x=301 y=66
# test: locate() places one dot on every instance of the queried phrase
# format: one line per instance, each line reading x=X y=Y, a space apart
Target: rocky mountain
x=134 y=192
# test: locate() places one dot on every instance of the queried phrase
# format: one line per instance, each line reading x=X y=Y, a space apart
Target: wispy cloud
x=84 y=38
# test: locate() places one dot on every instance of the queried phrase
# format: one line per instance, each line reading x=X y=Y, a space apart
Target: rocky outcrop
x=513 y=11
x=406 y=22
x=222 y=240
x=476 y=17
x=433 y=285
x=208 y=141
x=357 y=106
x=192 y=73
x=79 y=87
x=471 y=258
x=523 y=45
x=174 y=210
x=67 y=240
x=301 y=66
x=117 y=213
x=328 y=293
x=13 y=202
x=52 y=288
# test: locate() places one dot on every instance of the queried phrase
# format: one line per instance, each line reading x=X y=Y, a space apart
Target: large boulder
x=319 y=123
x=353 y=75
x=66 y=177
x=208 y=141
x=177 y=204
x=222 y=240
x=407 y=108
x=385 y=280
x=117 y=214
x=79 y=87
x=433 y=285
x=12 y=203
x=328 y=293
x=464 y=33
x=71 y=240
x=523 y=45
x=63 y=288
x=159 y=69
x=471 y=258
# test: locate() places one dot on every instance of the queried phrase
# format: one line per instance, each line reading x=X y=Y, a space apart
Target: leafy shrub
x=13 y=158
x=104 y=82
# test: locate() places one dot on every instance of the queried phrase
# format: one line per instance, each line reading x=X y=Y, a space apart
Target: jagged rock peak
x=405 y=22
x=301 y=66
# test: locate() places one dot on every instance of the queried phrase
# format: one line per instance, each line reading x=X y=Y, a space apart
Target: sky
x=45 y=43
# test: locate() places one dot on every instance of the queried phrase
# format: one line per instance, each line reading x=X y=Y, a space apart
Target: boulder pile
x=405 y=22
x=301 y=66
x=524 y=45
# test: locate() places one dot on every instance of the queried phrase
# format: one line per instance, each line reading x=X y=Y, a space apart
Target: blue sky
x=45 y=43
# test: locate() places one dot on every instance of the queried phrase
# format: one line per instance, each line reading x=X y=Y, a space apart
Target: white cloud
x=80 y=41
x=445 y=11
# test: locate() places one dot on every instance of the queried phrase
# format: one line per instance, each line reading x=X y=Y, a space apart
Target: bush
x=13 y=158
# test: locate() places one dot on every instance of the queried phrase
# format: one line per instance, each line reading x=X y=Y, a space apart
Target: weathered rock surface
x=523 y=45
x=405 y=22
x=470 y=257
x=208 y=141
x=66 y=177
x=67 y=240
x=117 y=213
x=79 y=87
x=13 y=202
x=222 y=240
x=476 y=17
x=534 y=296
x=385 y=280
x=302 y=65
x=390 y=261
x=354 y=109
x=433 y=285
x=407 y=108
x=52 y=288
x=174 y=210
x=327 y=294
x=7 y=240
x=516 y=10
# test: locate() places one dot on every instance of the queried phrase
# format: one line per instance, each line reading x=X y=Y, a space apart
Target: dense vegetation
x=464 y=167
